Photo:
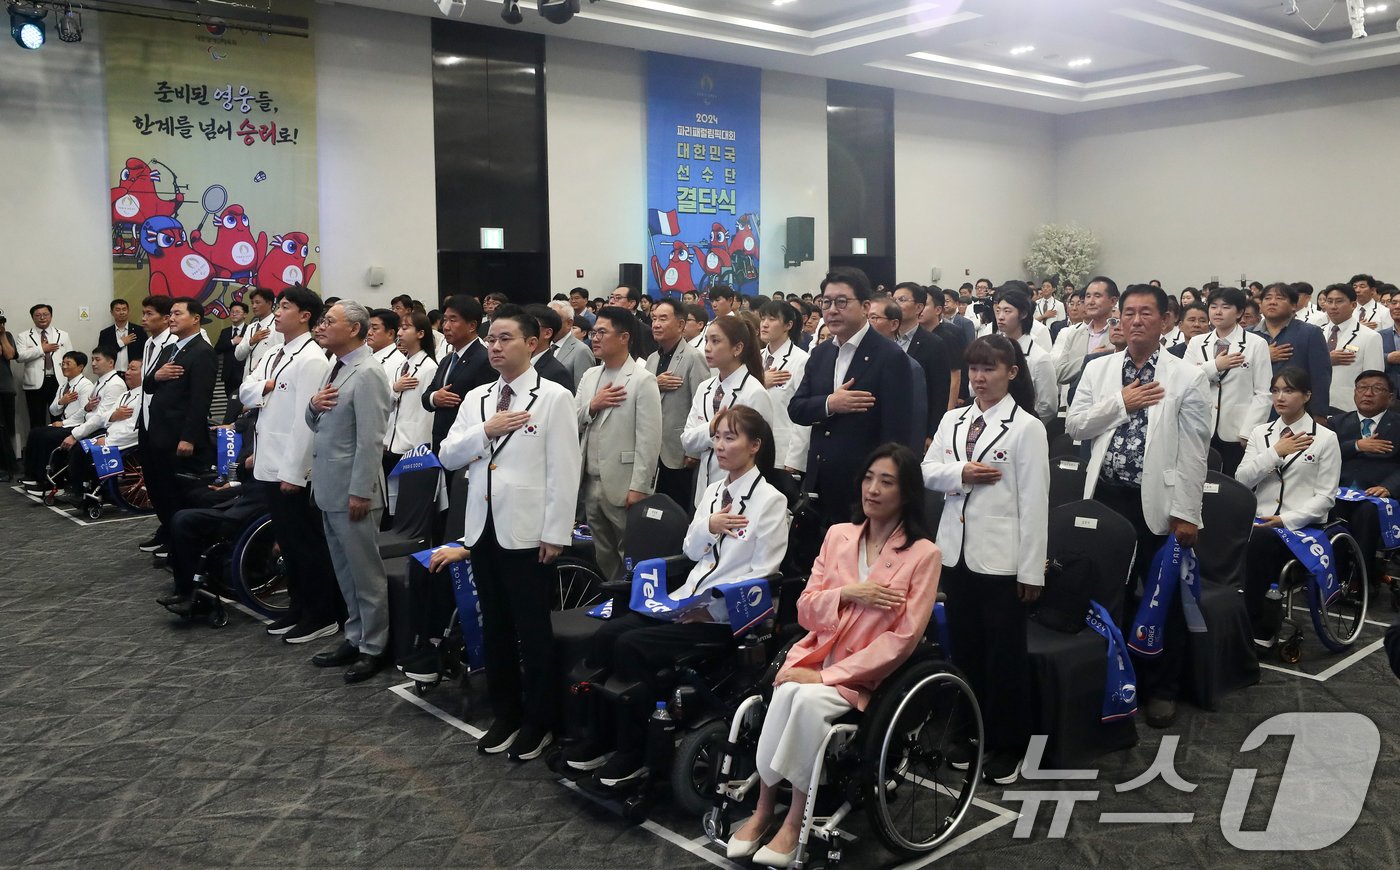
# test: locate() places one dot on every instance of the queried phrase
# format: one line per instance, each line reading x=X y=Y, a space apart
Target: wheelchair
x=125 y=490
x=896 y=761
x=1337 y=624
x=243 y=563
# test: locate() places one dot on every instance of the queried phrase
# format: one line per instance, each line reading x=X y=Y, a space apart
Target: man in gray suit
x=619 y=420
x=679 y=369
x=348 y=418
x=573 y=354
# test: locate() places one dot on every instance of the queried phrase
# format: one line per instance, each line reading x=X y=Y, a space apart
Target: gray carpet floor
x=130 y=740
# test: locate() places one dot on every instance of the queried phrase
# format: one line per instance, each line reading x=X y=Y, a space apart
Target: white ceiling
x=1140 y=50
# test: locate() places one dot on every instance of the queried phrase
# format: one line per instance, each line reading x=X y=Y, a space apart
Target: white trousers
x=798 y=718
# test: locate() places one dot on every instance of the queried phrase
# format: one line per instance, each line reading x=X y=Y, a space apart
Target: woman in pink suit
x=866 y=606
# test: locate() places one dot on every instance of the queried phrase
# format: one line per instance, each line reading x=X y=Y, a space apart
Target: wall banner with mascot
x=212 y=161
x=702 y=175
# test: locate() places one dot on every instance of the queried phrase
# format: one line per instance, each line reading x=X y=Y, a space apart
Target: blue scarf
x=747 y=602
x=228 y=443
x=106 y=458
x=1313 y=551
x=1173 y=564
x=1120 y=686
x=468 y=608
x=417 y=459
x=1390 y=523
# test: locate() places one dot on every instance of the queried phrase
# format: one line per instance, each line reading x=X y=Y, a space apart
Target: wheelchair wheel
x=127 y=490
x=1339 y=624
x=577 y=585
x=257 y=572
x=914 y=797
x=695 y=766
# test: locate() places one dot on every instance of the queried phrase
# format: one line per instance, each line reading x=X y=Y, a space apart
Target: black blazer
x=231 y=365
x=642 y=344
x=108 y=338
x=840 y=442
x=180 y=408
x=1365 y=470
x=929 y=351
x=552 y=369
x=470 y=372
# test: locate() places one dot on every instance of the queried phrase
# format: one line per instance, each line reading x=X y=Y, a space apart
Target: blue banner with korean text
x=702 y=175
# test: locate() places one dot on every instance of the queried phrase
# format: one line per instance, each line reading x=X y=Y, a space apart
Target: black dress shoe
x=173 y=598
x=341 y=655
x=151 y=545
x=195 y=609
x=364 y=667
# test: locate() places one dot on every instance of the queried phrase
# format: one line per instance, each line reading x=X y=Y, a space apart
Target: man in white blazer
x=619 y=418
x=1148 y=416
x=282 y=385
x=40 y=351
x=261 y=336
x=1238 y=371
x=1352 y=346
x=518 y=438
x=679 y=369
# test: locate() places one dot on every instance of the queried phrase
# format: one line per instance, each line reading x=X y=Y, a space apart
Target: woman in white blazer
x=992 y=464
x=410 y=424
x=1293 y=466
x=1237 y=367
x=739 y=533
x=784 y=364
x=1012 y=310
x=731 y=349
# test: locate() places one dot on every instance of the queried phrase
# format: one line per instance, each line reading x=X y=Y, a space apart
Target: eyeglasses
x=873 y=317
x=1373 y=389
x=600 y=333
x=839 y=302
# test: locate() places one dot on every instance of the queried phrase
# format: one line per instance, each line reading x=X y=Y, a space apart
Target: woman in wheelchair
x=739 y=533
x=866 y=606
x=1293 y=466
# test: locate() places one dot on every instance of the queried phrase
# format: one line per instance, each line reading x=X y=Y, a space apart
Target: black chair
x=1067 y=474
x=933 y=509
x=1213 y=460
x=1222 y=658
x=413 y=515
x=1063 y=445
x=1068 y=671
x=1054 y=428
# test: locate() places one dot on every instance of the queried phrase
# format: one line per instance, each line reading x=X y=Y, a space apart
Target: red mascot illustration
x=715 y=260
x=134 y=201
x=676 y=277
x=285 y=263
x=744 y=238
x=234 y=252
x=175 y=269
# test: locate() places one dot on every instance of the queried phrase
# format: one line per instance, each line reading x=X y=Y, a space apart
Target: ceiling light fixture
x=1022 y=49
x=27 y=25
x=783 y=2
x=1079 y=62
x=70 y=25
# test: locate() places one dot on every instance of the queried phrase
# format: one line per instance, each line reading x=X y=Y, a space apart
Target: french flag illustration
x=664 y=223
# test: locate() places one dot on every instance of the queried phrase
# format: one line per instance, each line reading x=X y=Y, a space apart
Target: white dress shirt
x=1370 y=354
x=845 y=352
x=122 y=433
x=107 y=391
x=751 y=553
x=740 y=388
x=252 y=354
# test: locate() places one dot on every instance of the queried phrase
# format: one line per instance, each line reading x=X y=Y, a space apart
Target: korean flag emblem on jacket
x=532 y=429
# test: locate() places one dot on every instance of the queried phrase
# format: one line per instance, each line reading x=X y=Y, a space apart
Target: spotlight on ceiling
x=510 y=12
x=1022 y=49
x=27 y=25
x=70 y=26
x=1079 y=62
x=559 y=11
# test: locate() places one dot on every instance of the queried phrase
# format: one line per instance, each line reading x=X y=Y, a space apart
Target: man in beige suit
x=619 y=420
x=679 y=369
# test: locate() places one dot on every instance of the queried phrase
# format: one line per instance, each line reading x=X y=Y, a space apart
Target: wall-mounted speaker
x=628 y=275
x=801 y=233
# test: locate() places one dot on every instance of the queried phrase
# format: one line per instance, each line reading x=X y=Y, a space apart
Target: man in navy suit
x=1293 y=342
x=462 y=366
x=1370 y=441
x=854 y=395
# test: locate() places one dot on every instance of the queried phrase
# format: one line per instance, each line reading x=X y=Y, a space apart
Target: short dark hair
x=76 y=356
x=1251 y=303
x=1289 y=291
x=677 y=307
x=496 y=295
x=529 y=327
x=1232 y=296
x=634 y=294
x=547 y=318
x=1195 y=306
x=781 y=310
x=112 y=306
x=305 y=300
x=1297 y=378
x=192 y=305
x=239 y=304
x=1363 y=277
x=579 y=291
x=1021 y=301
x=44 y=305
x=107 y=352
x=161 y=304
x=697 y=311
x=387 y=316
x=852 y=277
x=951 y=294
x=1344 y=289
x=466 y=306
x=721 y=291
x=1157 y=293
x=916 y=290
x=1374 y=373
x=1106 y=281
x=622 y=319
x=402 y=299
x=987 y=281
x=264 y=294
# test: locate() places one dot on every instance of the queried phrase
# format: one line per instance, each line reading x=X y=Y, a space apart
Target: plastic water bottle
x=660 y=738
x=627 y=567
x=1272 y=616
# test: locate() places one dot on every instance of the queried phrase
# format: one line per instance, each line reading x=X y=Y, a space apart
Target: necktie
x=48 y=357
x=767 y=360
x=1221 y=346
x=1332 y=339
x=719 y=397
x=973 y=433
x=1288 y=431
x=1366 y=428
x=403 y=372
x=503 y=403
x=335 y=370
x=726 y=501
x=451 y=364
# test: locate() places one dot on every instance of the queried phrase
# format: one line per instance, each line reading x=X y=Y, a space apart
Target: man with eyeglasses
x=1369 y=438
x=853 y=395
x=630 y=298
x=679 y=368
x=696 y=319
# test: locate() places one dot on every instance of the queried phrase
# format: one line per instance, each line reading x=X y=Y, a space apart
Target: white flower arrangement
x=1062 y=252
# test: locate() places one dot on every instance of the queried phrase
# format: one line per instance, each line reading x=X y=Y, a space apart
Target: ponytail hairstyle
x=745 y=421
x=997 y=349
x=738 y=331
